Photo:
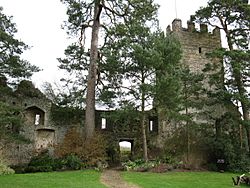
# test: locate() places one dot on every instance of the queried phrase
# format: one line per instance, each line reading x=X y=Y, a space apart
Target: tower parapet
x=177 y=25
x=191 y=26
x=177 y=28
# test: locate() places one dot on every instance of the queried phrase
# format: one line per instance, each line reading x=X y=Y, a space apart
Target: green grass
x=181 y=179
x=91 y=179
x=70 y=179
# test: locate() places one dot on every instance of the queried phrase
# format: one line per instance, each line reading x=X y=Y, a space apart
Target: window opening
x=199 y=50
x=104 y=121
x=37 y=119
x=151 y=123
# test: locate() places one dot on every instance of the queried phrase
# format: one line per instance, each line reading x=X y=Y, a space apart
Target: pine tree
x=12 y=70
x=11 y=64
x=98 y=16
x=233 y=18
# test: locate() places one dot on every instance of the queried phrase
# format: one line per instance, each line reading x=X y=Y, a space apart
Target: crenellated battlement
x=195 y=43
x=177 y=27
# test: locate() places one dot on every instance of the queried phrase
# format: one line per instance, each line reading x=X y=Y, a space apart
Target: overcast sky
x=39 y=25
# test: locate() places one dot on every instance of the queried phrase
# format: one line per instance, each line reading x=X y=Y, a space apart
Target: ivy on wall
x=67 y=115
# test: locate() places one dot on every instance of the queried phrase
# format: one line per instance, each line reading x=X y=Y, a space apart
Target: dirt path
x=112 y=179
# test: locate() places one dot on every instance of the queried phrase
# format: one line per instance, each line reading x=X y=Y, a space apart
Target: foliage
x=11 y=64
x=64 y=96
x=76 y=179
x=139 y=165
x=112 y=20
x=236 y=159
x=90 y=152
x=45 y=163
x=10 y=122
x=226 y=145
x=12 y=69
x=9 y=116
x=40 y=163
x=232 y=17
x=134 y=70
x=66 y=115
x=239 y=163
x=4 y=169
x=27 y=89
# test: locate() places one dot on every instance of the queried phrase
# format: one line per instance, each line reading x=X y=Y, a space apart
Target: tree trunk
x=144 y=138
x=187 y=123
x=143 y=128
x=90 y=98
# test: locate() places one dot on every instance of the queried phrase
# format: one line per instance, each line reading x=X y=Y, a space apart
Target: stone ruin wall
x=41 y=131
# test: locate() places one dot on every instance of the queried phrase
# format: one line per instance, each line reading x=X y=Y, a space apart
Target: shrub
x=73 y=162
x=41 y=163
x=38 y=169
x=240 y=163
x=4 y=169
x=90 y=152
x=236 y=159
x=139 y=165
x=46 y=163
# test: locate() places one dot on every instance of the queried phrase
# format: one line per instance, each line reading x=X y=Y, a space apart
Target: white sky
x=39 y=25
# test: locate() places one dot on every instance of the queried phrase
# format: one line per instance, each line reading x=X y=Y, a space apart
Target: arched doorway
x=126 y=149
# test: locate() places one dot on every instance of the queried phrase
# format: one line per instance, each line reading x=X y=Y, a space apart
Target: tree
x=137 y=64
x=11 y=64
x=12 y=69
x=99 y=16
x=191 y=97
x=233 y=18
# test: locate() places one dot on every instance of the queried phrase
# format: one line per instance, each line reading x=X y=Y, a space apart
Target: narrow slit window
x=199 y=50
x=104 y=121
x=151 y=123
x=37 y=119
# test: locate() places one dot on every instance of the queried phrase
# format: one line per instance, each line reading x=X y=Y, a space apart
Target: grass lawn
x=181 y=179
x=70 y=179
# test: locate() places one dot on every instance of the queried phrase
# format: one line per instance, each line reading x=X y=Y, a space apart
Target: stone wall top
x=177 y=27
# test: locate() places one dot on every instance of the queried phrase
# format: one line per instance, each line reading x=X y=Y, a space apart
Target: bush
x=90 y=152
x=236 y=159
x=41 y=163
x=240 y=163
x=139 y=165
x=4 y=169
x=45 y=163
x=73 y=162
x=39 y=169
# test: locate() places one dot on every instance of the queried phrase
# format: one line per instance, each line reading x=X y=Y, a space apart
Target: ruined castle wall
x=37 y=127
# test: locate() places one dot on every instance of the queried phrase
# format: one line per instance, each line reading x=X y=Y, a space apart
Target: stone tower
x=195 y=45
